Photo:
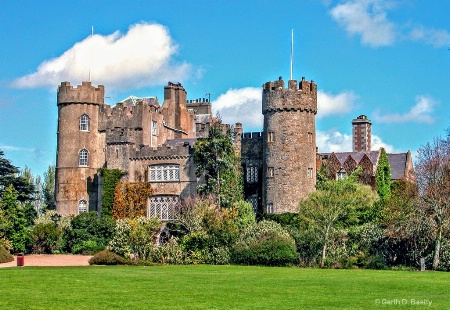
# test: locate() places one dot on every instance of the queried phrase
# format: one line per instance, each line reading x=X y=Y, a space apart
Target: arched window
x=83 y=157
x=82 y=206
x=84 y=122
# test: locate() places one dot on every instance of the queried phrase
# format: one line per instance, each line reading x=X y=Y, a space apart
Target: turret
x=289 y=144
x=80 y=150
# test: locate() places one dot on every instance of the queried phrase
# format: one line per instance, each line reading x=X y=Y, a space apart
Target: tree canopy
x=9 y=175
x=337 y=203
x=217 y=162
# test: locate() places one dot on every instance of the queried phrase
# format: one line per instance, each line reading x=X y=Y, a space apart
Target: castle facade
x=154 y=143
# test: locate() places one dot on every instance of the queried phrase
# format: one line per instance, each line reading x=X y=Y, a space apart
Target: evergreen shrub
x=265 y=243
x=107 y=257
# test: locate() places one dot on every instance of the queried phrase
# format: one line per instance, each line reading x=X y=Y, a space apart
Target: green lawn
x=218 y=287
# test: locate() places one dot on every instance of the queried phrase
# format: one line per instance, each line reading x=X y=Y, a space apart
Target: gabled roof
x=342 y=156
x=398 y=161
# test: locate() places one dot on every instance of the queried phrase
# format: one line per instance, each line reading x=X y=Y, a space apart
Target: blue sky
x=386 y=59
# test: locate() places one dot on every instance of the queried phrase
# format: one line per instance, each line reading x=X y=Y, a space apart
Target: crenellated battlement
x=84 y=93
x=165 y=151
x=296 y=97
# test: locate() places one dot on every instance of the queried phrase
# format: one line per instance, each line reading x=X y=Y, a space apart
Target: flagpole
x=292 y=50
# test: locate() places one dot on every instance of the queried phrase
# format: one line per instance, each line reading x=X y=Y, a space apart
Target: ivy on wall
x=111 y=178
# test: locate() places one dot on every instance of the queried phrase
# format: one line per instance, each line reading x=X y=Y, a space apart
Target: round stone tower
x=80 y=147
x=289 y=144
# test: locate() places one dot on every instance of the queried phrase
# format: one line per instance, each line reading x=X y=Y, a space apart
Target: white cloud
x=334 y=141
x=10 y=148
x=368 y=19
x=377 y=143
x=329 y=104
x=241 y=105
x=419 y=113
x=435 y=37
x=141 y=57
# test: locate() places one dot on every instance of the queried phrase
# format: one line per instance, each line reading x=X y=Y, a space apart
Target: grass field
x=219 y=287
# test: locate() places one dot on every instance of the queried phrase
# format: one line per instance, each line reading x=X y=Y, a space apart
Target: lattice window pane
x=83 y=157
x=161 y=173
x=164 y=207
x=84 y=122
x=82 y=206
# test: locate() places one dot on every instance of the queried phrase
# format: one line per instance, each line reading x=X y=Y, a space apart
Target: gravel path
x=51 y=260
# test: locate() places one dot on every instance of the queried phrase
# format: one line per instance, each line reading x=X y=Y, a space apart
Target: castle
x=154 y=143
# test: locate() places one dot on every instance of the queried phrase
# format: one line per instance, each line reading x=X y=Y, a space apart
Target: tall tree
x=433 y=177
x=383 y=176
x=217 y=162
x=48 y=188
x=9 y=175
x=336 y=202
x=15 y=223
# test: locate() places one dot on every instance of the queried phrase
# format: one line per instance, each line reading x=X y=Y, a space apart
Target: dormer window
x=341 y=174
x=84 y=122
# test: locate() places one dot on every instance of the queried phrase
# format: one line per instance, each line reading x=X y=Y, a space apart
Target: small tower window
x=83 y=157
x=270 y=172
x=82 y=206
x=310 y=173
x=270 y=136
x=84 y=122
x=270 y=208
x=154 y=128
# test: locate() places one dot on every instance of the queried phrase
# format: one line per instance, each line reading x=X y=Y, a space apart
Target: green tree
x=9 y=175
x=217 y=162
x=15 y=223
x=337 y=203
x=383 y=176
x=48 y=188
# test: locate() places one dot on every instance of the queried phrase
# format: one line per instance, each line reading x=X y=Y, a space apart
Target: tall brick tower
x=80 y=147
x=289 y=144
x=362 y=134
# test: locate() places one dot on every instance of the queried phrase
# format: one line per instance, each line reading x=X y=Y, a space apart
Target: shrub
x=218 y=256
x=87 y=247
x=120 y=243
x=270 y=250
x=107 y=257
x=5 y=256
x=444 y=262
x=88 y=233
x=136 y=236
x=265 y=243
x=168 y=253
x=45 y=238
